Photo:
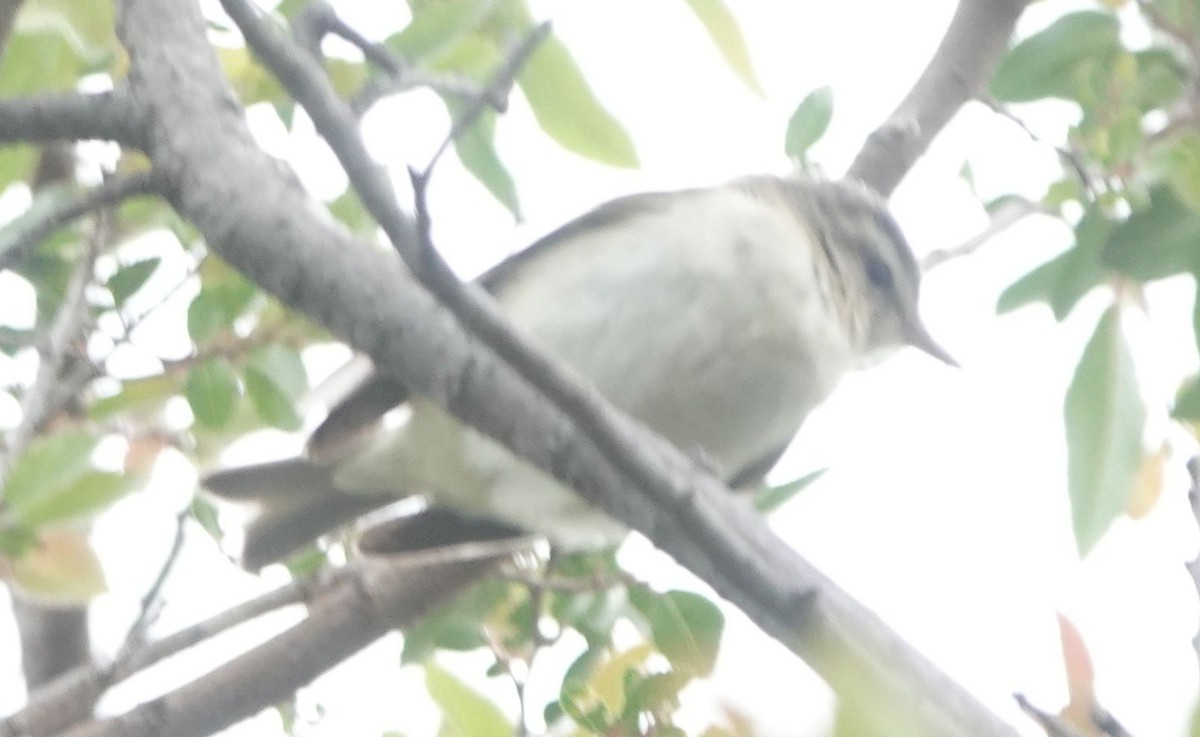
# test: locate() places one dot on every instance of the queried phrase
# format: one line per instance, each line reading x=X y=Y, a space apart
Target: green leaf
x=212 y=390
x=722 y=28
x=1160 y=79
x=567 y=110
x=436 y=26
x=1157 y=241
x=456 y=625
x=207 y=316
x=477 y=151
x=128 y=279
x=61 y=569
x=90 y=494
x=1104 y=418
x=50 y=464
x=272 y=402
x=1036 y=286
x=91 y=22
x=1187 y=404
x=350 y=211
x=16 y=163
x=43 y=55
x=686 y=627
x=282 y=364
x=134 y=395
x=465 y=712
x=809 y=122
x=1178 y=162
x=1048 y=63
x=774 y=497
x=1065 y=279
x=205 y=513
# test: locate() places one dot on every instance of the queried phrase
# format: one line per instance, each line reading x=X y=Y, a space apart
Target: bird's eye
x=879 y=273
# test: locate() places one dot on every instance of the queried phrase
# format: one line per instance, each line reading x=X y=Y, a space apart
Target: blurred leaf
x=212 y=391
x=436 y=26
x=50 y=464
x=477 y=151
x=723 y=29
x=42 y=55
x=1157 y=241
x=16 y=163
x=346 y=76
x=1062 y=281
x=1187 y=404
x=592 y=613
x=135 y=395
x=272 y=402
x=567 y=110
x=1178 y=162
x=88 y=495
x=457 y=624
x=593 y=689
x=130 y=278
x=350 y=211
x=1147 y=490
x=465 y=713
x=13 y=339
x=252 y=82
x=1047 y=63
x=92 y=23
x=15 y=541
x=1160 y=79
x=1104 y=421
x=774 y=497
x=1081 y=677
x=282 y=364
x=809 y=122
x=60 y=569
x=205 y=514
x=206 y=317
x=686 y=627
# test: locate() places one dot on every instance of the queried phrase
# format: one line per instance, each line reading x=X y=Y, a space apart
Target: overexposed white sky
x=945 y=508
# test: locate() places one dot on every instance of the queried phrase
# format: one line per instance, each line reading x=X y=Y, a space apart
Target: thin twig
x=1053 y=725
x=318 y=19
x=1008 y=215
x=16 y=245
x=1065 y=153
x=46 y=395
x=498 y=88
x=151 y=604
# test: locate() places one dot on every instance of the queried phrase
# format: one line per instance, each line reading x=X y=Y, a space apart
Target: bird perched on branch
x=719 y=317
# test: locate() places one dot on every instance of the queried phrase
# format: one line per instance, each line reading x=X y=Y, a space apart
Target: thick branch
x=263 y=223
x=71 y=116
x=357 y=607
x=977 y=37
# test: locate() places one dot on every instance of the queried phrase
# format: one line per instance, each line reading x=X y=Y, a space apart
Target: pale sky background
x=945 y=509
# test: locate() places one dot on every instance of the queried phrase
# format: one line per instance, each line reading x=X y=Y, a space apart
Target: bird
x=718 y=316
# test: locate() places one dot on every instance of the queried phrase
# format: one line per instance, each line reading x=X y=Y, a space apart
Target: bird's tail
x=297 y=503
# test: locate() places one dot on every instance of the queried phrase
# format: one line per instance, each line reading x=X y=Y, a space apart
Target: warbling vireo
x=719 y=317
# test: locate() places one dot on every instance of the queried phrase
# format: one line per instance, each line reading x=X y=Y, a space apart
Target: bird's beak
x=919 y=337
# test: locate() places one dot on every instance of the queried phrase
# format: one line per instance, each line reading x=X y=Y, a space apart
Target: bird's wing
x=377 y=393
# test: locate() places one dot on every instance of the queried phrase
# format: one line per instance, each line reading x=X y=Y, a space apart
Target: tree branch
x=16 y=244
x=72 y=116
x=263 y=223
x=977 y=37
x=356 y=607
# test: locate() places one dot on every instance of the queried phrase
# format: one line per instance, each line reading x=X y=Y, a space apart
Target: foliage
x=1128 y=191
